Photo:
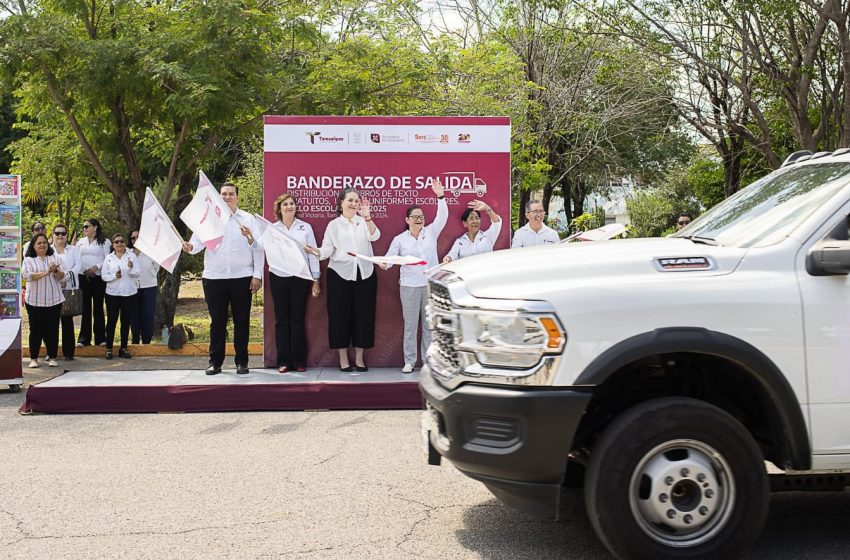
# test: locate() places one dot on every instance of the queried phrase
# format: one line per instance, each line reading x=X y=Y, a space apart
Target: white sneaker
x=52 y=362
x=33 y=364
x=407 y=368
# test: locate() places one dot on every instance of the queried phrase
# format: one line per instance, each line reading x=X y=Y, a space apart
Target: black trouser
x=67 y=336
x=123 y=307
x=94 y=288
x=142 y=325
x=351 y=310
x=289 y=295
x=233 y=293
x=44 y=326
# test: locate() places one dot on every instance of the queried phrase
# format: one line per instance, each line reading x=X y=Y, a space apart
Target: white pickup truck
x=659 y=374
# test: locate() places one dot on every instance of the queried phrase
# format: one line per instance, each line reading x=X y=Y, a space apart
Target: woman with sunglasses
x=418 y=240
x=142 y=324
x=120 y=273
x=94 y=247
x=69 y=257
x=43 y=273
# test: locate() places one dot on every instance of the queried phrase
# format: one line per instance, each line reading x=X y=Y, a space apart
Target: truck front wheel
x=676 y=478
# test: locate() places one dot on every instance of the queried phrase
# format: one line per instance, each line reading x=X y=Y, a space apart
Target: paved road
x=291 y=485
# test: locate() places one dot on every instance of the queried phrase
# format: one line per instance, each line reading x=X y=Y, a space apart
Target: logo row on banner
x=387 y=138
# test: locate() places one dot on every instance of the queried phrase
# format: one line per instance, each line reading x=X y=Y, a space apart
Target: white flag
x=207 y=214
x=602 y=234
x=157 y=238
x=390 y=260
x=282 y=252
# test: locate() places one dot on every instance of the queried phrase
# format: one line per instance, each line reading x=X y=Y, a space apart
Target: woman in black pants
x=93 y=250
x=289 y=293
x=352 y=285
x=120 y=273
x=43 y=272
x=69 y=257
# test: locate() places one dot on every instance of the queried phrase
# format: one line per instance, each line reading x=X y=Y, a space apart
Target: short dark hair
x=31 y=248
x=230 y=185
x=467 y=213
x=126 y=241
x=686 y=215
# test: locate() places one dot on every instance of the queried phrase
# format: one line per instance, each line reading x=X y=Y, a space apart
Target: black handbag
x=73 y=304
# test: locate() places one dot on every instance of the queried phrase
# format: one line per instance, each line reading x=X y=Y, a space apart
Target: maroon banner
x=392 y=161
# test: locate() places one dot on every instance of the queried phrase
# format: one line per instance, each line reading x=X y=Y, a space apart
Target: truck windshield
x=767 y=211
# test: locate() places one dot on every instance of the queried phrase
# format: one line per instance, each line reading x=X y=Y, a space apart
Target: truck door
x=826 y=316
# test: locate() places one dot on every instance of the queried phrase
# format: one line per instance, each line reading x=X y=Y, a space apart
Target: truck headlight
x=510 y=340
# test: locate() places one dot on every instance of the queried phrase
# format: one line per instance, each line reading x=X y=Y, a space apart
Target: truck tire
x=676 y=478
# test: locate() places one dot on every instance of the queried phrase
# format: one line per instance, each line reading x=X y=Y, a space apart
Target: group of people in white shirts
x=103 y=271
x=233 y=271
x=351 y=282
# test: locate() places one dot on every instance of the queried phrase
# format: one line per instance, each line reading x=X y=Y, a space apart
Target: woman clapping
x=120 y=273
x=44 y=274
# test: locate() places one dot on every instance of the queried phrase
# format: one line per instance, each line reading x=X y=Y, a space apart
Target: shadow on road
x=799 y=526
x=804 y=525
x=497 y=532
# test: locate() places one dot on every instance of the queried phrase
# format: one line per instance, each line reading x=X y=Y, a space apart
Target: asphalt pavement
x=291 y=485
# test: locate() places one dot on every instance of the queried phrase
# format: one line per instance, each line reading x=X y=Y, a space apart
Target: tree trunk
x=732 y=168
x=169 y=284
x=547 y=197
x=524 y=196
x=579 y=195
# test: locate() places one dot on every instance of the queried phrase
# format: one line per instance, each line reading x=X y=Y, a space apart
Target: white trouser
x=413 y=301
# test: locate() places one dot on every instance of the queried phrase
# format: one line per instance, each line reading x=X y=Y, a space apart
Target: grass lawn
x=192 y=312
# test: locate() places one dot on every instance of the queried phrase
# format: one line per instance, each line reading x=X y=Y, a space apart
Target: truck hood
x=533 y=272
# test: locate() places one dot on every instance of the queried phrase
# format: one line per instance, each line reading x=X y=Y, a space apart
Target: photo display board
x=392 y=161
x=11 y=366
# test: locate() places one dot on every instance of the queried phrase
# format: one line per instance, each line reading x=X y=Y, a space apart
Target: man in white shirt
x=535 y=232
x=232 y=273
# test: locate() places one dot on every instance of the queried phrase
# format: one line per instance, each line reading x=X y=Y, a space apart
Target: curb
x=190 y=349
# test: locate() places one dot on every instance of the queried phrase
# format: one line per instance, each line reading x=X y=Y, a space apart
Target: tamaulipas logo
x=324 y=139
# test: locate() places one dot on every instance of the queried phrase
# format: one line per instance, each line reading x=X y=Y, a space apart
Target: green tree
x=152 y=91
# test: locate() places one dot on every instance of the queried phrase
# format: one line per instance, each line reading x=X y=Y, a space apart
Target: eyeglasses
x=60 y=233
x=417 y=218
x=86 y=226
x=38 y=228
x=683 y=222
x=118 y=241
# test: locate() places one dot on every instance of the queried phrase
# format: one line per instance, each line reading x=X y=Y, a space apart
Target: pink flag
x=157 y=238
x=207 y=214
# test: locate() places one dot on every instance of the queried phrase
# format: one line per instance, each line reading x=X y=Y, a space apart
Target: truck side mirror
x=829 y=257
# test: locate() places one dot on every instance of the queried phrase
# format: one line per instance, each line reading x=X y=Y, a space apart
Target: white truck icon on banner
x=458 y=182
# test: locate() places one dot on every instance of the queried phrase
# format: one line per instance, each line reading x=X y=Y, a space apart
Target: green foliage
x=588 y=221
x=146 y=91
x=651 y=213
